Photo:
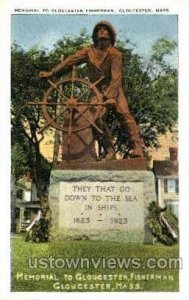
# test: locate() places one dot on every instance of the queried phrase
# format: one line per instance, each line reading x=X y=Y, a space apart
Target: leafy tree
x=26 y=119
x=163 y=92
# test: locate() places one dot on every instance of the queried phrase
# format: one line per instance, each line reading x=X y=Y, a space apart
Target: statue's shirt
x=109 y=65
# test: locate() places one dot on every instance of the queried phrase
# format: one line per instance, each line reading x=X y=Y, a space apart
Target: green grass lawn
x=54 y=276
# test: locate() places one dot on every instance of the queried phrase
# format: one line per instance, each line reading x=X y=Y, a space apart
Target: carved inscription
x=101 y=205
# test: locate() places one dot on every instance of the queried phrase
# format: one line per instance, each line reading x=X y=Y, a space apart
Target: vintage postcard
x=95 y=160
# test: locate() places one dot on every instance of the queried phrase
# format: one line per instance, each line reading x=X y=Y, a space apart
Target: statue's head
x=103 y=30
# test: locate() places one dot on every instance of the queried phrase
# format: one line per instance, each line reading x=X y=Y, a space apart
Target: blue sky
x=45 y=30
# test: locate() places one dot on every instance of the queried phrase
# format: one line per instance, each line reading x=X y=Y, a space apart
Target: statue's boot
x=137 y=148
x=134 y=136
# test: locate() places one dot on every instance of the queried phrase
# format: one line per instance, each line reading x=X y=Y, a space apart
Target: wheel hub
x=71 y=103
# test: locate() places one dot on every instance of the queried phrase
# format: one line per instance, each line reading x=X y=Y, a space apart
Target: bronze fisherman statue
x=104 y=60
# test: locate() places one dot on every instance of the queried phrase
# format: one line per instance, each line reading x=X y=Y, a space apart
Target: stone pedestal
x=100 y=204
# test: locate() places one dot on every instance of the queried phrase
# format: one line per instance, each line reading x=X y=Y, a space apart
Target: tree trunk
x=36 y=169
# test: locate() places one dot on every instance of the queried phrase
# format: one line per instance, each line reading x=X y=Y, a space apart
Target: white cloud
x=49 y=39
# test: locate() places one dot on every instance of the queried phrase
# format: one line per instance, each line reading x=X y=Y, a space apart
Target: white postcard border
x=175 y=7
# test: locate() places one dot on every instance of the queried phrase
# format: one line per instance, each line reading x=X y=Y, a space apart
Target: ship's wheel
x=69 y=95
x=71 y=105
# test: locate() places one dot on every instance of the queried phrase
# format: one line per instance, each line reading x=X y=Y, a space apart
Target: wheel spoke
x=70 y=128
x=90 y=122
x=107 y=102
x=51 y=121
x=91 y=86
x=89 y=104
x=48 y=103
x=69 y=133
x=96 y=82
x=83 y=94
x=72 y=90
x=73 y=80
x=74 y=73
x=57 y=89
